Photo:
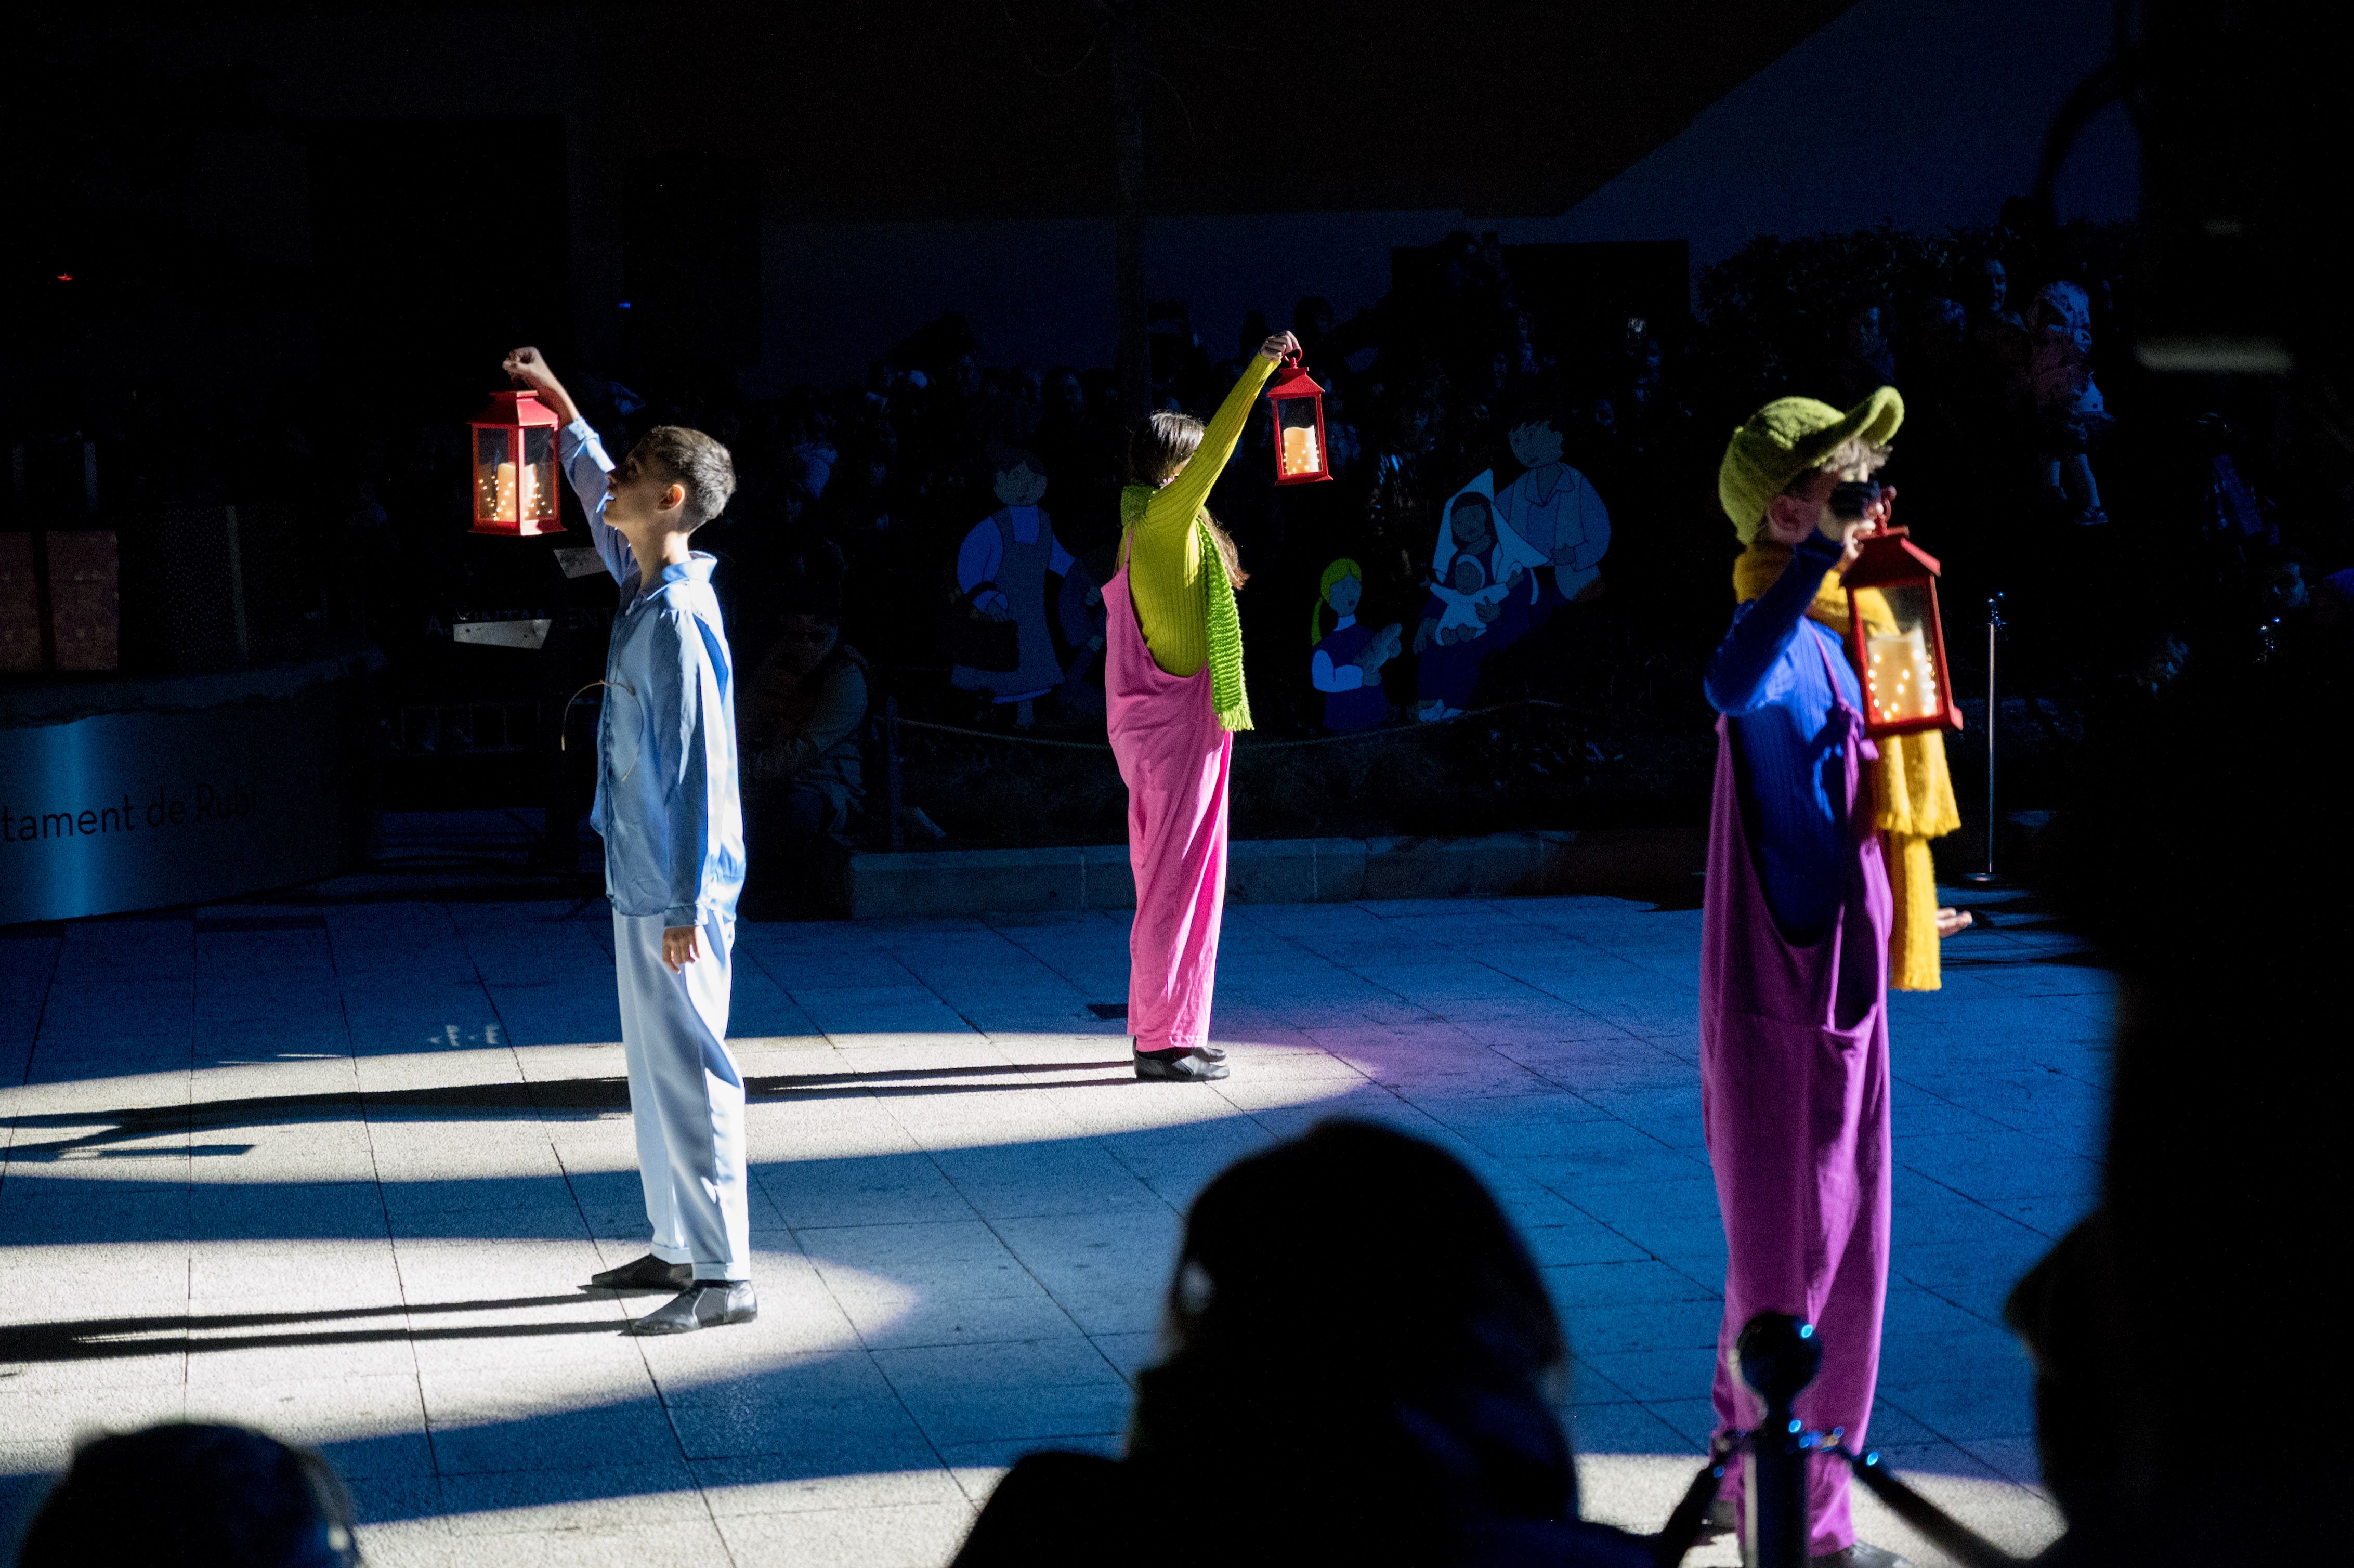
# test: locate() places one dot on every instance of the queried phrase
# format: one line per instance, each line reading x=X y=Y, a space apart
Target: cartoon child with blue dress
x=1347 y=666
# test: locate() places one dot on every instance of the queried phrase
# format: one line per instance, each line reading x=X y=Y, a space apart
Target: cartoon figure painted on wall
x=1450 y=651
x=1464 y=597
x=1347 y=666
x=1555 y=510
x=1003 y=568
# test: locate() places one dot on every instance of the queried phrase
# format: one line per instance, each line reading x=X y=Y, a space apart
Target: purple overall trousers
x=1794 y=1101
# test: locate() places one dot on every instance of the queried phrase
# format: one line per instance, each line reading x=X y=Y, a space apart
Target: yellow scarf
x=1912 y=794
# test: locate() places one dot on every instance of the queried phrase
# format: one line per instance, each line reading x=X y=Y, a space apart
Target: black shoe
x=649 y=1272
x=1860 y=1554
x=706 y=1304
x=1205 y=1050
x=1183 y=1066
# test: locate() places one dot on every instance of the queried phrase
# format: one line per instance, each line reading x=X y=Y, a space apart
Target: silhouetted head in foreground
x=1361 y=1366
x=196 y=1496
x=1359 y=1288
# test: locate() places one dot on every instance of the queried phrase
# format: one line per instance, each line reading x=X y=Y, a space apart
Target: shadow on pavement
x=107 y=1338
x=559 y=1094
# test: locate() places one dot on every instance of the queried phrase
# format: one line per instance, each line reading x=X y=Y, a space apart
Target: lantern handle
x=1293 y=359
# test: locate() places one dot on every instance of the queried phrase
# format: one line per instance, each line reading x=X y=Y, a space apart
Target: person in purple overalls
x=1794 y=942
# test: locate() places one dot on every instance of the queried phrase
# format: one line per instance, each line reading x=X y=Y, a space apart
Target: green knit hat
x=1787 y=438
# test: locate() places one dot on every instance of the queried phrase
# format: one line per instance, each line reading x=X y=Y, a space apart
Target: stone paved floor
x=337 y=1168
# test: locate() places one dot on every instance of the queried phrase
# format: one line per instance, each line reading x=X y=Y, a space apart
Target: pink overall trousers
x=1175 y=759
x=1794 y=1101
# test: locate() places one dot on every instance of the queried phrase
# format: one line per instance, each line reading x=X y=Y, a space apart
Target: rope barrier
x=1387 y=731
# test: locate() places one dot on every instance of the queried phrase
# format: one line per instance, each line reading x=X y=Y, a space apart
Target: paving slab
x=345 y=1165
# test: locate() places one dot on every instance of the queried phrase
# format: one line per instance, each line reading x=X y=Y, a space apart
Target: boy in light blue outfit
x=674 y=829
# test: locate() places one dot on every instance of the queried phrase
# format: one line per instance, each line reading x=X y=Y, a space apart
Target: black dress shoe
x=1183 y=1066
x=1205 y=1050
x=705 y=1303
x=1860 y=1554
x=648 y=1273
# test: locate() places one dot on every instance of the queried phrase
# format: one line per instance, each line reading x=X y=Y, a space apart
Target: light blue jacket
x=667 y=806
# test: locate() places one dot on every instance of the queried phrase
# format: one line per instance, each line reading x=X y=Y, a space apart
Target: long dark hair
x=1157 y=448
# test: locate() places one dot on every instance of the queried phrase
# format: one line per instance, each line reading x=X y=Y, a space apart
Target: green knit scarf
x=1224 y=626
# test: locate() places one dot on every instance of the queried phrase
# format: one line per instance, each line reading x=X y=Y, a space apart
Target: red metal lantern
x=1900 y=657
x=1300 y=455
x=513 y=443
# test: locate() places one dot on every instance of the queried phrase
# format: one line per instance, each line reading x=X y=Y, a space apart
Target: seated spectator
x=2068 y=407
x=2238 y=515
x=1994 y=316
x=1867 y=361
x=196 y=1496
x=1312 y=324
x=812 y=454
x=1937 y=371
x=1364 y=1368
x=1342 y=445
x=796 y=723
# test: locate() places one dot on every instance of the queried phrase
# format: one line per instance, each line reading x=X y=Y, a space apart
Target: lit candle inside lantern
x=535 y=497
x=1904 y=682
x=1300 y=449
x=503 y=492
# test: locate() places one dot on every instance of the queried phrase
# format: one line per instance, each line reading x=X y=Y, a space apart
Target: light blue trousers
x=686 y=1099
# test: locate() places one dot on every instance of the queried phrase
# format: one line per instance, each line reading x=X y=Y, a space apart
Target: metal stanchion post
x=1778 y=1356
x=1994 y=718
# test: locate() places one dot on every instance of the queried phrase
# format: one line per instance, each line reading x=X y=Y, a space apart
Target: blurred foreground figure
x=200 y=1497
x=1362 y=1368
x=2200 y=1297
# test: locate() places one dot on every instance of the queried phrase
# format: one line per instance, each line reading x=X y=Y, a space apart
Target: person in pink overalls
x=1793 y=939
x=1174 y=696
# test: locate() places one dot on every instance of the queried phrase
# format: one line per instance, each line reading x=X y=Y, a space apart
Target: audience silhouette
x=1363 y=1366
x=198 y=1496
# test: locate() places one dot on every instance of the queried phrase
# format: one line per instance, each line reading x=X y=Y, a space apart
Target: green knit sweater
x=1184 y=602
